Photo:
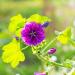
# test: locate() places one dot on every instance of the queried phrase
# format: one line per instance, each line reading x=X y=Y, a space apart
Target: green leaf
x=39 y=19
x=67 y=63
x=16 y=22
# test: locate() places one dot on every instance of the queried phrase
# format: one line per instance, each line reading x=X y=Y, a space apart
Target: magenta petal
x=38 y=73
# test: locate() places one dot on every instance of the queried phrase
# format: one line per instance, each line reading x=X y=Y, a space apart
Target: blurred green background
x=62 y=13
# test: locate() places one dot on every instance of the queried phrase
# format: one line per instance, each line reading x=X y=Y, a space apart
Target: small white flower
x=53 y=58
x=17 y=74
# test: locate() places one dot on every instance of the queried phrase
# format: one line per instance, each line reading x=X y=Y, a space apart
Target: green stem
x=39 y=57
x=52 y=63
x=48 y=45
x=46 y=73
x=25 y=48
x=56 y=64
x=52 y=42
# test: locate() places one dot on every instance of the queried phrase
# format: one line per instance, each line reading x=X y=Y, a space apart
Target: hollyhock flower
x=38 y=73
x=52 y=51
x=32 y=33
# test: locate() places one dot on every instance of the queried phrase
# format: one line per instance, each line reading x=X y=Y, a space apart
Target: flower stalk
x=25 y=48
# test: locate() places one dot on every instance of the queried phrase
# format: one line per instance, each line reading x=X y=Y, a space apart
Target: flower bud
x=45 y=24
x=52 y=51
x=38 y=73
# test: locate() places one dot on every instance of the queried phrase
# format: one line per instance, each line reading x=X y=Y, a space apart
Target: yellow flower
x=64 y=36
x=39 y=19
x=12 y=53
x=16 y=22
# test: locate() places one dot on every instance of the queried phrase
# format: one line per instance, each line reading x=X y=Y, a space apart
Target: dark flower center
x=32 y=33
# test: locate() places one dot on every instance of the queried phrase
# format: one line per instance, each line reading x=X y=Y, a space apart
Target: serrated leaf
x=39 y=19
x=15 y=23
x=65 y=36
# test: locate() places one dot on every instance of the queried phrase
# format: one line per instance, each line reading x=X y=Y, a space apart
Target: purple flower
x=32 y=33
x=52 y=51
x=38 y=73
